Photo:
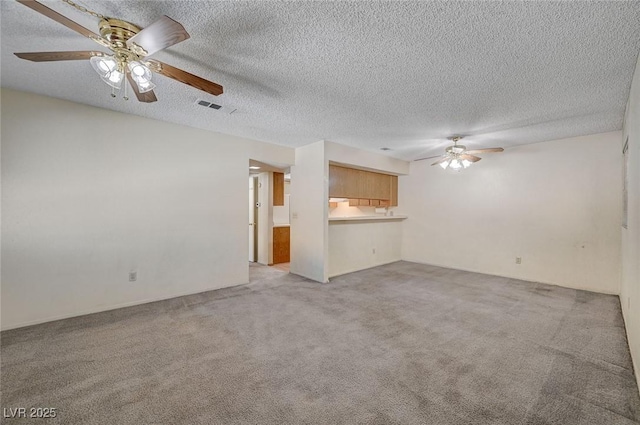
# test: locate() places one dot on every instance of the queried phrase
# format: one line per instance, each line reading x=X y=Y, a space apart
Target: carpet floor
x=398 y=344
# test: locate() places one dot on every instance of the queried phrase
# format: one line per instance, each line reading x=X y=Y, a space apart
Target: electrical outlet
x=518 y=260
x=294 y=215
x=133 y=276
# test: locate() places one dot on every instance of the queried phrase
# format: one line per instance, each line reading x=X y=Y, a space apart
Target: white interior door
x=252 y=219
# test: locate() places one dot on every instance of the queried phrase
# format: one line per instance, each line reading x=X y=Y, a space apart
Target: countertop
x=369 y=217
x=281 y=225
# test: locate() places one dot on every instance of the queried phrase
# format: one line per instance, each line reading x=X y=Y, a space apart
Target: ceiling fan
x=457 y=157
x=131 y=47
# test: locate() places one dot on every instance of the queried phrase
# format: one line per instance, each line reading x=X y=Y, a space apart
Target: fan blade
x=487 y=150
x=185 y=77
x=429 y=157
x=50 y=13
x=470 y=158
x=146 y=97
x=161 y=34
x=58 y=56
x=446 y=158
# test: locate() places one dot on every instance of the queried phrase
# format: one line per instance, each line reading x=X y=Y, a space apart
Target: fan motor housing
x=117 y=31
x=456 y=149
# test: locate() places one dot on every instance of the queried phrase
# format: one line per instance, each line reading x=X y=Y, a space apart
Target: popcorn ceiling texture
x=403 y=75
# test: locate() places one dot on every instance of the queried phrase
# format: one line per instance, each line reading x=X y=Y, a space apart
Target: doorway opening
x=269 y=218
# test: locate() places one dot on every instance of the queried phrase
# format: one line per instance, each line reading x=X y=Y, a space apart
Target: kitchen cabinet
x=362 y=187
x=374 y=185
x=343 y=182
x=337 y=182
x=278 y=189
x=394 y=191
x=281 y=244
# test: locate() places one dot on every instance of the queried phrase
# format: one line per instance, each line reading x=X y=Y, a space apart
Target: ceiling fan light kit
x=457 y=157
x=108 y=69
x=130 y=45
x=141 y=75
x=456 y=164
x=126 y=59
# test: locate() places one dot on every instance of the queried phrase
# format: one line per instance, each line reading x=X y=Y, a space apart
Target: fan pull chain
x=113 y=91
x=84 y=9
x=125 y=97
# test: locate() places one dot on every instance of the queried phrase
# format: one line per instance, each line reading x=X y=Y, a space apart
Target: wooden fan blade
x=185 y=77
x=50 y=13
x=146 y=97
x=486 y=150
x=470 y=158
x=429 y=157
x=446 y=158
x=161 y=34
x=58 y=56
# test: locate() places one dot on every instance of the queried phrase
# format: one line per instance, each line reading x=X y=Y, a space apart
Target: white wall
x=556 y=204
x=281 y=213
x=90 y=194
x=630 y=290
x=309 y=213
x=362 y=159
x=358 y=245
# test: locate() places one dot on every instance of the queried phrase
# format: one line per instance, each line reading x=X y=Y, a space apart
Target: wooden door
x=281 y=245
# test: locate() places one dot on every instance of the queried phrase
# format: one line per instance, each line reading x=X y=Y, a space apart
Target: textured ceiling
x=403 y=75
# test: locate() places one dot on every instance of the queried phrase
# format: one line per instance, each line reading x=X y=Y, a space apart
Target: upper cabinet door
x=343 y=182
x=359 y=184
x=374 y=185
x=352 y=185
x=383 y=186
x=366 y=184
x=394 y=191
x=278 y=189
x=337 y=181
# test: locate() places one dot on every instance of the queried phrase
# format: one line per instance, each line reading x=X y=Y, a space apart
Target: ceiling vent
x=207 y=104
x=221 y=108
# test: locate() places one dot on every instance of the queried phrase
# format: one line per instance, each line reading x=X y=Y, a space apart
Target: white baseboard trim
x=634 y=361
x=510 y=277
x=113 y=307
x=305 y=276
x=363 y=268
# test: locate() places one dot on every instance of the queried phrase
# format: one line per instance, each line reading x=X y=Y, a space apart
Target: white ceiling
x=403 y=75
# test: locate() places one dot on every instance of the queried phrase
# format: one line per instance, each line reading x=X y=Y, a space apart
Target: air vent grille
x=208 y=104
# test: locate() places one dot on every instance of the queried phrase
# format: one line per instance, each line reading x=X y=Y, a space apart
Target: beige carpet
x=284 y=267
x=398 y=344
